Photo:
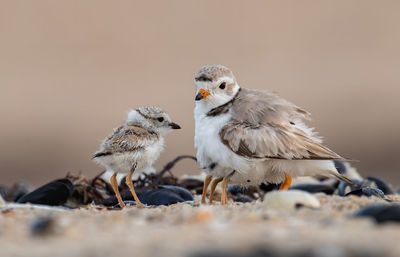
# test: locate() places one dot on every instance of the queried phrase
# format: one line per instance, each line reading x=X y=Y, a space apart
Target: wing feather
x=273 y=141
x=130 y=137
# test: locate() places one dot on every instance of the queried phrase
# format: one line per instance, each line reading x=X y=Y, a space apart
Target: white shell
x=287 y=200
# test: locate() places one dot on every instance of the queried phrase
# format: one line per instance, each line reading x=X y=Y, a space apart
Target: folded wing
x=273 y=141
x=126 y=138
x=264 y=125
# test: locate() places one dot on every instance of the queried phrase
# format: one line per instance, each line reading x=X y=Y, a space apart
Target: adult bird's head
x=215 y=85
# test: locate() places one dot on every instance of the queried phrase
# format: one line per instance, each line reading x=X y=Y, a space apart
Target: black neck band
x=224 y=108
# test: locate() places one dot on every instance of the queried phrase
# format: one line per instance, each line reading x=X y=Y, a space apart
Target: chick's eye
x=161 y=119
x=222 y=86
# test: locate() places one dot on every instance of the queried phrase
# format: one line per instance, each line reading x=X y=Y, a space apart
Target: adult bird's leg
x=286 y=183
x=224 y=195
x=129 y=183
x=213 y=186
x=114 y=184
x=207 y=181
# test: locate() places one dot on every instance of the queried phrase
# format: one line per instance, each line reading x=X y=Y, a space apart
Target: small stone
x=290 y=200
x=314 y=188
x=382 y=185
x=367 y=191
x=381 y=212
x=42 y=226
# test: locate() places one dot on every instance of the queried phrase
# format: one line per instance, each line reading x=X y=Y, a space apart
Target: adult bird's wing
x=264 y=126
x=273 y=141
x=127 y=138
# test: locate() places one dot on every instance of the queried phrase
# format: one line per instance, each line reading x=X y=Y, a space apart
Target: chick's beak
x=202 y=94
x=174 y=125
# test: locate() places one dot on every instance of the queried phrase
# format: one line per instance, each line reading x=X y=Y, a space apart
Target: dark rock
x=164 y=195
x=53 y=193
x=381 y=212
x=243 y=194
x=236 y=189
x=314 y=188
x=343 y=186
x=182 y=192
x=42 y=226
x=382 y=185
x=269 y=187
x=242 y=198
x=367 y=191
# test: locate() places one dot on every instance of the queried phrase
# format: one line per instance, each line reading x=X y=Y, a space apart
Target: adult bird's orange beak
x=202 y=94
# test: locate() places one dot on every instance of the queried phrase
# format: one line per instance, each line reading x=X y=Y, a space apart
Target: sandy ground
x=190 y=229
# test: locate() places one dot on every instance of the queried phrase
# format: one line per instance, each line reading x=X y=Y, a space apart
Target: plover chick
x=134 y=146
x=246 y=136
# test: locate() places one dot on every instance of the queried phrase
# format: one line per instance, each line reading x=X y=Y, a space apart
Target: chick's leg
x=213 y=186
x=114 y=184
x=129 y=183
x=286 y=183
x=207 y=181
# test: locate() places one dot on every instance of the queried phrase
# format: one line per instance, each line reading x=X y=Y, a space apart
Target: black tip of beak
x=174 y=125
x=199 y=96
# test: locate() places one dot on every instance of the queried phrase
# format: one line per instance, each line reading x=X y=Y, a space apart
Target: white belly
x=143 y=159
x=210 y=149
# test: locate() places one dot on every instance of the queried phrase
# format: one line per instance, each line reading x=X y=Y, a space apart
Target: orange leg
x=129 y=183
x=286 y=184
x=224 y=194
x=207 y=181
x=213 y=186
x=114 y=184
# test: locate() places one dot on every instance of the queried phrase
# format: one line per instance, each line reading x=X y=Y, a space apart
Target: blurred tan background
x=70 y=70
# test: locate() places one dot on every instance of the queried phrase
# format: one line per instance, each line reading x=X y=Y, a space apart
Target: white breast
x=210 y=149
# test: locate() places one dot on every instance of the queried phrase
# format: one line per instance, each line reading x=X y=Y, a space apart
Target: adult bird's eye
x=222 y=86
x=161 y=119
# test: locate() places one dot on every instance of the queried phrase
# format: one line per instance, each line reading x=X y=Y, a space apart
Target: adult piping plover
x=246 y=136
x=135 y=145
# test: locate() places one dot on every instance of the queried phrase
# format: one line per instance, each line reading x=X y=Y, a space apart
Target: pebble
x=182 y=192
x=345 y=188
x=290 y=200
x=160 y=197
x=367 y=191
x=42 y=226
x=53 y=193
x=382 y=185
x=242 y=198
x=164 y=195
x=314 y=188
x=381 y=212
